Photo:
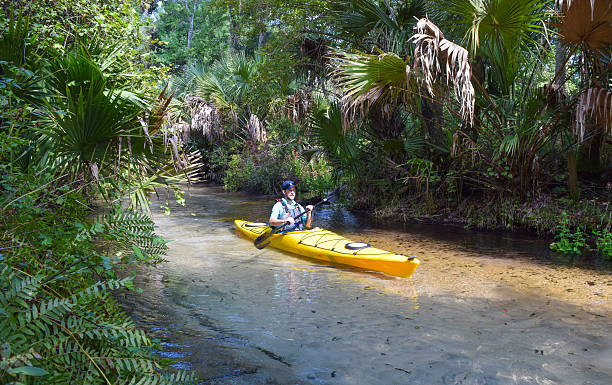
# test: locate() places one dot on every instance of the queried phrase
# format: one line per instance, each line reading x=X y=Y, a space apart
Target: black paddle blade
x=265 y=238
x=265 y=235
x=263 y=243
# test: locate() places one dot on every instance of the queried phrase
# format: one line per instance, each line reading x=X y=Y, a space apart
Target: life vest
x=294 y=212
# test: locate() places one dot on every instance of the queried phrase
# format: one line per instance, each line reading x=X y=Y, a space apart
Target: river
x=481 y=308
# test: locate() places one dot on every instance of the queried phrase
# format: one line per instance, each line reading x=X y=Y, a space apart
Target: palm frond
x=492 y=22
x=499 y=30
x=89 y=126
x=413 y=144
x=76 y=74
x=586 y=22
x=369 y=79
x=326 y=130
x=430 y=44
x=360 y=17
x=214 y=88
x=15 y=39
x=596 y=102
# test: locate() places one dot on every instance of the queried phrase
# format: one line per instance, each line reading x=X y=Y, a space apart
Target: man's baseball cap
x=288 y=184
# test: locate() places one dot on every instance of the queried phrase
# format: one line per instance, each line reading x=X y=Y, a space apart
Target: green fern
x=134 y=234
x=53 y=339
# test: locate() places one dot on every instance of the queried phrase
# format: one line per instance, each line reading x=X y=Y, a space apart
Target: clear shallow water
x=481 y=308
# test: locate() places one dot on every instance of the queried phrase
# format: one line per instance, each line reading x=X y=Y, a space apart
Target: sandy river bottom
x=480 y=309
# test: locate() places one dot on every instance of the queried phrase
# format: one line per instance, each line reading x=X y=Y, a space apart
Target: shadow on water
x=479 y=310
x=499 y=243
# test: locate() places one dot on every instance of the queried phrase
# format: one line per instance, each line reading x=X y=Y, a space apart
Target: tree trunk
x=559 y=88
x=590 y=159
x=233 y=37
x=234 y=30
x=386 y=121
x=262 y=36
x=560 y=54
x=478 y=72
x=190 y=33
x=572 y=180
x=432 y=113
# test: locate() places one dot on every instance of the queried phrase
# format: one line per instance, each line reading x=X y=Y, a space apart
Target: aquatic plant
x=604 y=242
x=566 y=240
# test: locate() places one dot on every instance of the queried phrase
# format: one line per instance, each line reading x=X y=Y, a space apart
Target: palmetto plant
x=342 y=147
x=515 y=131
x=225 y=85
x=15 y=43
x=227 y=81
x=368 y=79
x=502 y=31
x=71 y=126
x=86 y=126
x=360 y=17
x=112 y=135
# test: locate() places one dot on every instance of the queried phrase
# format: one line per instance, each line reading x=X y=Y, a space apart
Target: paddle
x=264 y=239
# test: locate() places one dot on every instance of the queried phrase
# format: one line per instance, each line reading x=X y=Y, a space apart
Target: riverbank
x=62 y=264
x=547 y=216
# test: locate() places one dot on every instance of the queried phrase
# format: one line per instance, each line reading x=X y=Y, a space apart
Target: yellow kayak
x=331 y=247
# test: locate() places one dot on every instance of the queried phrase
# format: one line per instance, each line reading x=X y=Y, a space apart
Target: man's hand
x=309 y=208
x=290 y=220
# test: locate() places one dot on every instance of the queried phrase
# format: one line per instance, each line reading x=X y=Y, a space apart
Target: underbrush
x=262 y=170
x=60 y=269
x=577 y=227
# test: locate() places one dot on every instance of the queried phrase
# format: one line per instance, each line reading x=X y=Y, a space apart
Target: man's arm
x=309 y=209
x=276 y=212
x=278 y=222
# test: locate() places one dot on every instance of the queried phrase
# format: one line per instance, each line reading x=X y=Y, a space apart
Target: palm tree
x=226 y=85
x=585 y=27
x=388 y=79
x=497 y=33
x=385 y=78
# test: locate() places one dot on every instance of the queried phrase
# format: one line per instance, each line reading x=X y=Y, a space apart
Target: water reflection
x=477 y=311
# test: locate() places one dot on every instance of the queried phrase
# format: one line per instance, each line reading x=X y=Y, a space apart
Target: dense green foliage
x=187 y=31
x=510 y=115
x=59 y=322
x=81 y=127
x=494 y=114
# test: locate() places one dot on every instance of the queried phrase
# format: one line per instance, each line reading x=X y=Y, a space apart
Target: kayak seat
x=255 y=224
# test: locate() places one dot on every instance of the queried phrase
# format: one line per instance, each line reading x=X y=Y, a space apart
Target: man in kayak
x=287 y=208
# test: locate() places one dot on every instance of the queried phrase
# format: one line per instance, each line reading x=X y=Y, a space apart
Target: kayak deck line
x=329 y=246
